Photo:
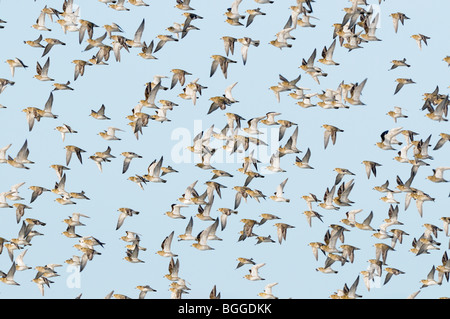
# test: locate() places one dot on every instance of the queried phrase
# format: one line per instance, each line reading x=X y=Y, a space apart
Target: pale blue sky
x=121 y=85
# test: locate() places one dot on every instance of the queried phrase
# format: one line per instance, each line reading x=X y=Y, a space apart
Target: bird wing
x=126 y=164
x=23 y=152
x=189 y=226
x=244 y=51
x=228 y=92
x=440 y=171
x=279 y=192
x=419 y=205
x=19 y=259
x=229 y=46
x=157 y=168
x=213 y=67
x=357 y=91
x=140 y=29
x=121 y=219
x=202 y=237
x=330 y=51
x=275 y=159
x=160 y=45
x=398 y=88
x=189 y=191
x=281 y=233
x=11 y=272
x=310 y=62
x=235 y=6
x=326 y=138
x=368 y=219
x=49 y=103
x=167 y=242
x=268 y=288
x=47 y=49
x=254 y=269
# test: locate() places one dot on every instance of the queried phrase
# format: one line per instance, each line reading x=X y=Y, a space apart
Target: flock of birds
x=357 y=29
